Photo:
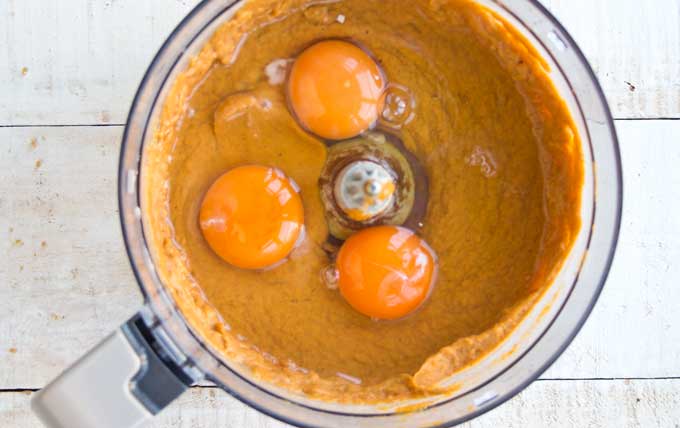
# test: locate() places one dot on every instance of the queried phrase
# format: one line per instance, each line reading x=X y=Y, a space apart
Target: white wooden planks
x=559 y=404
x=83 y=59
x=633 y=47
x=60 y=299
x=64 y=279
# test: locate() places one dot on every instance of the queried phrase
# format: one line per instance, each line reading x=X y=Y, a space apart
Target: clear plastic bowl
x=531 y=348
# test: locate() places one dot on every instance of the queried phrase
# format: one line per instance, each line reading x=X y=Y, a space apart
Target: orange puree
x=504 y=168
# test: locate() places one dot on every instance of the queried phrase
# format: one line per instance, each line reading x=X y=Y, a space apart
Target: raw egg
x=335 y=89
x=252 y=216
x=385 y=272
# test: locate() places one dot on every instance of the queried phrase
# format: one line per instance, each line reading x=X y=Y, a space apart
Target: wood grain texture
x=64 y=279
x=80 y=61
x=558 y=404
x=634 y=49
x=61 y=297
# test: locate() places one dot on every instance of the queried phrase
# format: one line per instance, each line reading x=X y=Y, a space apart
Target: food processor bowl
x=157 y=355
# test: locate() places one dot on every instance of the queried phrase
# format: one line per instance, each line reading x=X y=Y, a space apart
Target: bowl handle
x=120 y=383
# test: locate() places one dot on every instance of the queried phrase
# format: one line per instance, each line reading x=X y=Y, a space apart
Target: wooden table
x=68 y=71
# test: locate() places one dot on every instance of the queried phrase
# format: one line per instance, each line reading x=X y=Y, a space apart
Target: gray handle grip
x=121 y=383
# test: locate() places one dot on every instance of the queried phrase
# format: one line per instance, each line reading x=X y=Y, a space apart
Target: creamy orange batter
x=503 y=162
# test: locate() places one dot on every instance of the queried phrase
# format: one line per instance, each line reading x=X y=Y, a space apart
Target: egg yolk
x=252 y=216
x=334 y=89
x=385 y=272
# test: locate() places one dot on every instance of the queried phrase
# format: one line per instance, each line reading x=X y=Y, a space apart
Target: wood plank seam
x=582 y=379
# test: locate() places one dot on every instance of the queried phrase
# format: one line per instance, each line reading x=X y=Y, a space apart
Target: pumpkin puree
x=502 y=158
